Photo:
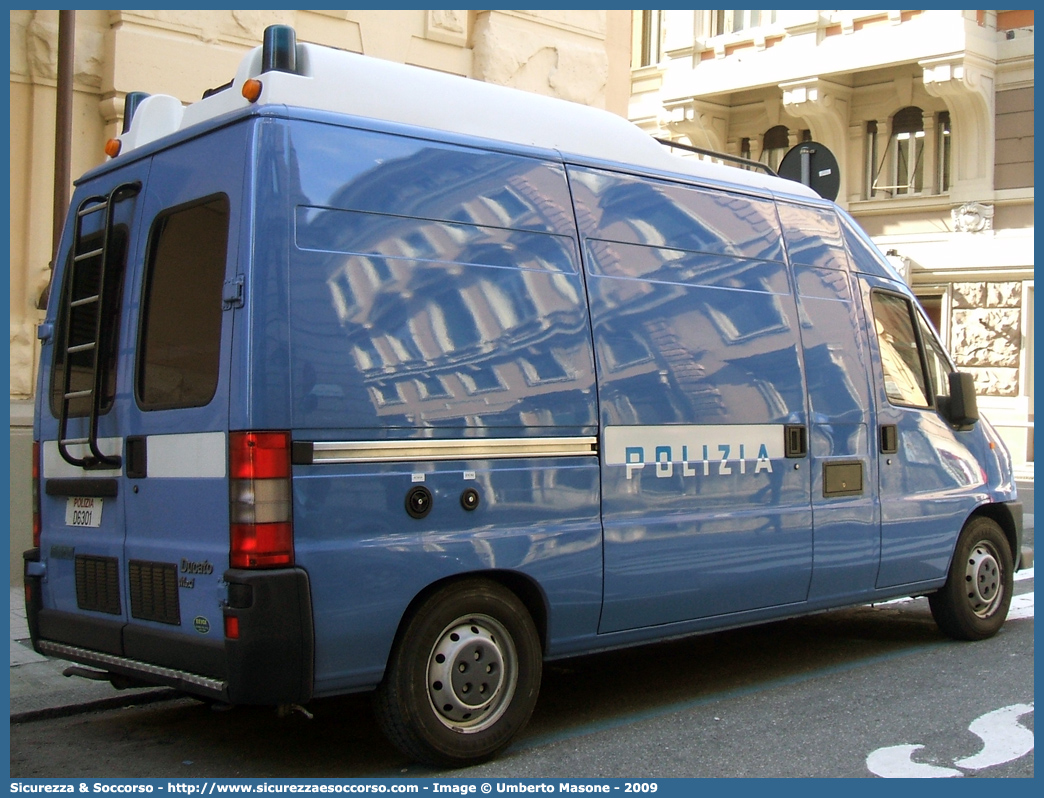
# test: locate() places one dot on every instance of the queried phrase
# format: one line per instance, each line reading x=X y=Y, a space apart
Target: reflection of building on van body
x=929 y=114
x=422 y=394
x=449 y=349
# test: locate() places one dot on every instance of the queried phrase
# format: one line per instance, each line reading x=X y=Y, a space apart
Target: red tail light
x=262 y=532
x=36 y=494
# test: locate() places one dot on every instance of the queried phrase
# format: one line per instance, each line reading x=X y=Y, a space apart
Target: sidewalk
x=38 y=688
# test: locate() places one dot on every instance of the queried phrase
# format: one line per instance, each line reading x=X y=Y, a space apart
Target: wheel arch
x=1001 y=515
x=526 y=589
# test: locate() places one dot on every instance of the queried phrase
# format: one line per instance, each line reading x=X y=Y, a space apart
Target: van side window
x=904 y=377
x=82 y=320
x=180 y=324
x=939 y=367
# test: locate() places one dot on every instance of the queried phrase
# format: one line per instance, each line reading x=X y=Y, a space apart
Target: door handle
x=889 y=439
x=795 y=440
x=137 y=457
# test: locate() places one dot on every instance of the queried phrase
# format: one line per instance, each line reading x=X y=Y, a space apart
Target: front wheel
x=463 y=677
x=973 y=603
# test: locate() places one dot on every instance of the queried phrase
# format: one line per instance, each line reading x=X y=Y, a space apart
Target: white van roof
x=334 y=80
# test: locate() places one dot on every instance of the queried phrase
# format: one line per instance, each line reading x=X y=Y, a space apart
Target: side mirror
x=960 y=408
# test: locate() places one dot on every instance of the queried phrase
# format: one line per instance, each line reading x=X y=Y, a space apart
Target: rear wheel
x=973 y=603
x=463 y=678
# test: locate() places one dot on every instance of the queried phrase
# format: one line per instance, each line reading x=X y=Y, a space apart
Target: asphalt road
x=853 y=693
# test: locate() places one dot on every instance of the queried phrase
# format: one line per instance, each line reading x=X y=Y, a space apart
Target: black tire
x=430 y=703
x=973 y=603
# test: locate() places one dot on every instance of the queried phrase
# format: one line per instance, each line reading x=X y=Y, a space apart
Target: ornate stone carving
x=986 y=334
x=996 y=381
x=449 y=27
x=986 y=337
x=969 y=295
x=972 y=217
x=1004 y=295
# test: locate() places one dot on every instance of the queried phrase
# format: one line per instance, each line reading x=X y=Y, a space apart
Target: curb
x=116 y=702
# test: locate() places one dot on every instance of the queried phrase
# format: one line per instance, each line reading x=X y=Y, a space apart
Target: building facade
x=582 y=56
x=930 y=117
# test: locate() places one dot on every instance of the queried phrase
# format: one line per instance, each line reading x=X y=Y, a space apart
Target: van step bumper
x=268 y=659
x=153 y=674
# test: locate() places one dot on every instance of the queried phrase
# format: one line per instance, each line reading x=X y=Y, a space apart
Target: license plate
x=83 y=511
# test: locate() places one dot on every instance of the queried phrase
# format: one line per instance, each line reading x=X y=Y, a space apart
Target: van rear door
x=177 y=417
x=80 y=425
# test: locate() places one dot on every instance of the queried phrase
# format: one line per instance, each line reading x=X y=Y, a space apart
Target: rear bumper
x=270 y=662
x=273 y=659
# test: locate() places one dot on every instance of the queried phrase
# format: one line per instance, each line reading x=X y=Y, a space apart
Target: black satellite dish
x=813 y=165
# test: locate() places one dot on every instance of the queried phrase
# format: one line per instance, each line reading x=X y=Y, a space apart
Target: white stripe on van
x=55 y=467
x=721 y=449
x=194 y=454
x=456 y=449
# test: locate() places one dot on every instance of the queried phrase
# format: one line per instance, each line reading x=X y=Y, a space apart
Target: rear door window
x=180 y=344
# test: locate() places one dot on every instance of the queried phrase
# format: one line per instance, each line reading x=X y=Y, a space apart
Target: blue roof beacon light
x=130 y=105
x=279 y=51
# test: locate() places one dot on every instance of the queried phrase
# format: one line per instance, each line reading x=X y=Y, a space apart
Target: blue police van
x=361 y=377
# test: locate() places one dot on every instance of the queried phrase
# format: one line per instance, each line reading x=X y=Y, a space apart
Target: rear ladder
x=91 y=300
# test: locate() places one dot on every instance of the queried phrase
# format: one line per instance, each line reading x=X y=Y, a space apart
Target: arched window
x=907 y=148
x=774 y=146
x=897 y=169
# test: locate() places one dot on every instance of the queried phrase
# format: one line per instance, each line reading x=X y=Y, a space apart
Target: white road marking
x=1003 y=737
x=1021 y=607
x=895 y=762
x=1004 y=740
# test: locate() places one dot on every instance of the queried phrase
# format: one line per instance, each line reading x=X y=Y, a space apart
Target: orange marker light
x=252 y=90
x=112 y=147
